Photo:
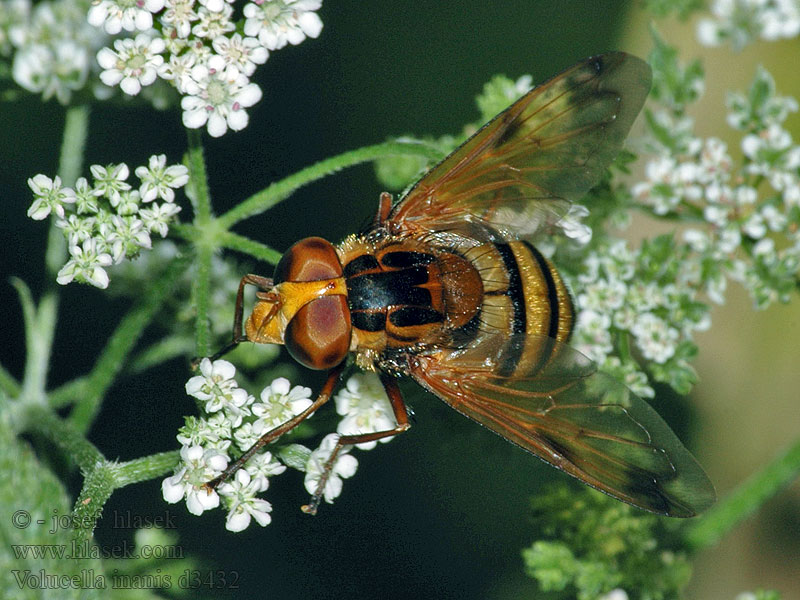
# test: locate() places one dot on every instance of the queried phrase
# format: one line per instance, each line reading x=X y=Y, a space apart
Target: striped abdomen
x=526 y=300
x=501 y=300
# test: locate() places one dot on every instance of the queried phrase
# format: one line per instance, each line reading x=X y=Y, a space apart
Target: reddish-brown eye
x=318 y=336
x=310 y=259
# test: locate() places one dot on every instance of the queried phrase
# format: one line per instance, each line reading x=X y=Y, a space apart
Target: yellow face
x=274 y=310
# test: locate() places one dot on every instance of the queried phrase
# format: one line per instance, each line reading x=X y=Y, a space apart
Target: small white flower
x=775 y=219
x=593 y=337
x=655 y=338
x=709 y=33
x=343 y=467
x=129 y=202
x=157 y=217
x=216 y=378
x=85 y=199
x=263 y=466
x=729 y=240
x=242 y=53
x=243 y=506
x=131 y=15
x=644 y=296
x=86 y=265
x=198 y=467
x=742 y=21
x=278 y=22
x=698 y=240
x=365 y=408
x=178 y=70
x=48 y=196
x=573 y=227
x=160 y=181
x=280 y=402
x=603 y=295
x=213 y=432
x=212 y=24
x=214 y=5
x=217 y=388
x=218 y=98
x=715 y=288
x=76 y=229
x=110 y=181
x=764 y=249
x=126 y=237
x=755 y=226
x=55 y=69
x=248 y=434
x=615 y=594
x=180 y=14
x=133 y=63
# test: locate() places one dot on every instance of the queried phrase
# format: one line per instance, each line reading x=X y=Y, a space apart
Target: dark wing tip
x=627 y=76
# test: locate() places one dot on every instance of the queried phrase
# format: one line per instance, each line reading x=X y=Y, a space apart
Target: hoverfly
x=446 y=288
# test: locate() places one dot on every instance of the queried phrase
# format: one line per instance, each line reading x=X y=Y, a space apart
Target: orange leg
x=272 y=435
x=384 y=208
x=264 y=284
x=400 y=416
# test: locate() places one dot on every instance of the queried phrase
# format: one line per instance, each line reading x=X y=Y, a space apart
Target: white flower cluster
x=234 y=420
x=745 y=208
x=740 y=22
x=621 y=295
x=195 y=45
x=51 y=45
x=108 y=221
x=199 y=49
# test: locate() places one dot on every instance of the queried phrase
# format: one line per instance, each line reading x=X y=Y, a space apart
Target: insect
x=446 y=287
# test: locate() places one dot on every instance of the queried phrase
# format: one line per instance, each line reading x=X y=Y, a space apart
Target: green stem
x=105 y=477
x=227 y=239
x=70 y=164
x=745 y=500
x=76 y=128
x=67 y=393
x=234 y=241
x=201 y=296
x=62 y=433
x=145 y=468
x=197 y=189
x=158 y=353
x=40 y=324
x=280 y=190
x=205 y=244
x=113 y=357
x=624 y=345
x=98 y=485
x=8 y=383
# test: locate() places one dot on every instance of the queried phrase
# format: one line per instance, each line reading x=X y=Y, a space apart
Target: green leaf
x=498 y=94
x=31 y=543
x=552 y=564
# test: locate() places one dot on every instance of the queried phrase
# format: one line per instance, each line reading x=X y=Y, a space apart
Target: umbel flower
x=233 y=422
x=107 y=221
x=61 y=47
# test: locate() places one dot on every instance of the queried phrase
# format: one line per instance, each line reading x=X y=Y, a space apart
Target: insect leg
x=269 y=437
x=263 y=283
x=400 y=416
x=384 y=208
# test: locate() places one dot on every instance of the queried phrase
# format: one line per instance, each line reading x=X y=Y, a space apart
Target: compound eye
x=310 y=259
x=318 y=336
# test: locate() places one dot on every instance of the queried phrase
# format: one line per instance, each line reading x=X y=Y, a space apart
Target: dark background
x=439 y=512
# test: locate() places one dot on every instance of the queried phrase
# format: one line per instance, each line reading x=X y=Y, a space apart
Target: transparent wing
x=581 y=421
x=521 y=170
